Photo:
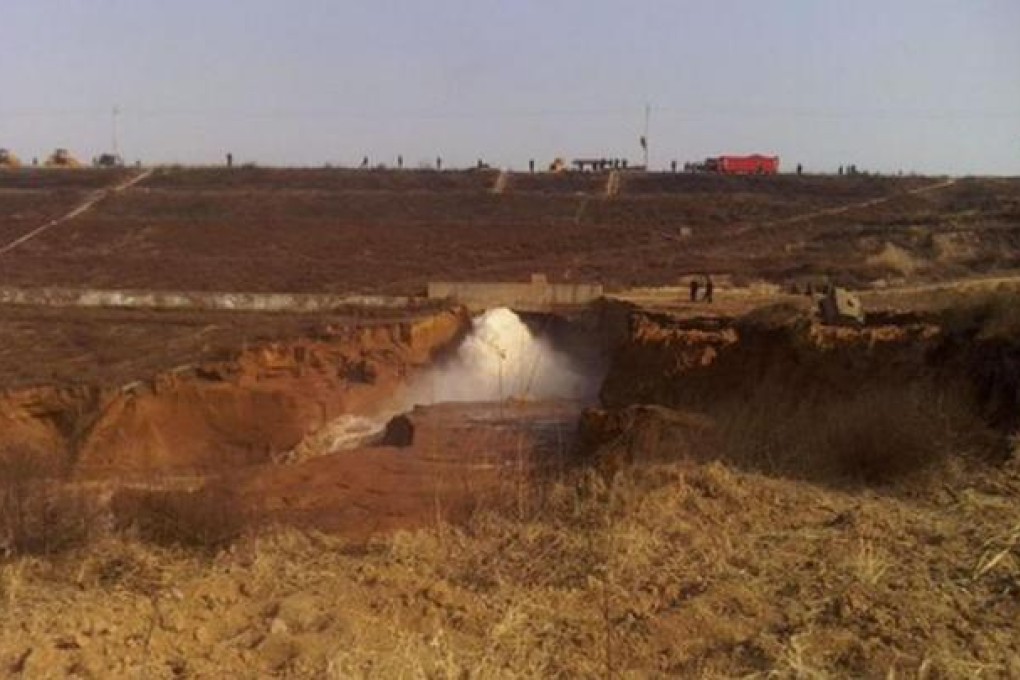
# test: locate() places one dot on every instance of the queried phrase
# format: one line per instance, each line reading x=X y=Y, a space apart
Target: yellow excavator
x=8 y=160
x=62 y=158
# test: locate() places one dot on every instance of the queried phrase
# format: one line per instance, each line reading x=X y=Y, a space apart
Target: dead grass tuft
x=875 y=435
x=991 y=315
x=869 y=563
x=39 y=514
x=122 y=562
x=209 y=518
x=894 y=259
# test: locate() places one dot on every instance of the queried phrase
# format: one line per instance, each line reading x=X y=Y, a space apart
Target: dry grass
x=39 y=514
x=869 y=563
x=998 y=552
x=210 y=518
x=984 y=315
x=672 y=569
x=895 y=260
x=729 y=563
x=870 y=433
x=206 y=225
x=42 y=514
x=874 y=434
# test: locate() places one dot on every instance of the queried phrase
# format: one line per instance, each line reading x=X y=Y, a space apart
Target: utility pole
x=116 y=112
x=644 y=137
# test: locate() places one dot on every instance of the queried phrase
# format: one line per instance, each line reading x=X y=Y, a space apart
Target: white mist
x=500 y=359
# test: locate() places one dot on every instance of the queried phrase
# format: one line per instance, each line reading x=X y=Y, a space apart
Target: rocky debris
x=278 y=627
x=399 y=431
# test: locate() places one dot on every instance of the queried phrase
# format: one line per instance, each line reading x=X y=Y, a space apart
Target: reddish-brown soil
x=759 y=497
x=109 y=348
x=680 y=560
x=240 y=408
x=30 y=198
x=337 y=230
x=459 y=456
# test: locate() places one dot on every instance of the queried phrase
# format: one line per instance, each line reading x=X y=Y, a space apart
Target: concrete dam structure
x=538 y=295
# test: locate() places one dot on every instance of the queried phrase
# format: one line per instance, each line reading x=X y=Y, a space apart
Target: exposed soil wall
x=47 y=422
x=778 y=393
x=690 y=363
x=227 y=413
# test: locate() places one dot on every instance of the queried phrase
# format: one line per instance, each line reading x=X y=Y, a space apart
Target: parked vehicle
x=742 y=165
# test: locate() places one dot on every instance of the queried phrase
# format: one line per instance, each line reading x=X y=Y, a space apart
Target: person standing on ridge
x=694 y=290
x=709 y=288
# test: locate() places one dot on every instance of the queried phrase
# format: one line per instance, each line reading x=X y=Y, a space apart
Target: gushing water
x=501 y=359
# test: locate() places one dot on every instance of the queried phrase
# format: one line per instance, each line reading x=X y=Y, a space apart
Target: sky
x=929 y=86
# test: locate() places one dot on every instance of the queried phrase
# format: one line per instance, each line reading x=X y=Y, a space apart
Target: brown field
x=753 y=495
x=336 y=230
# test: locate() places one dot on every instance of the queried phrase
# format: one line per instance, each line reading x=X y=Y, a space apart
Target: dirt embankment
x=776 y=392
x=688 y=363
x=227 y=413
x=266 y=230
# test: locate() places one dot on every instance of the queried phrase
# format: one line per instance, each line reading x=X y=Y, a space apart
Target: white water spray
x=501 y=359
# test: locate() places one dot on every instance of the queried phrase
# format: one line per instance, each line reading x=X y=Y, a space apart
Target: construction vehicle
x=108 y=160
x=839 y=307
x=62 y=158
x=8 y=160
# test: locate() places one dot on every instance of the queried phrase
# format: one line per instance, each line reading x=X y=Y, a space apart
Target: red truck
x=743 y=165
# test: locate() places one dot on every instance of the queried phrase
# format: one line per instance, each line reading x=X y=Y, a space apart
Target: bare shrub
x=211 y=517
x=39 y=514
x=987 y=315
x=875 y=434
x=124 y=563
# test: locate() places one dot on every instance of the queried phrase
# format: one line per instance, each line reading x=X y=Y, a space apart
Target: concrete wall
x=246 y=302
x=536 y=296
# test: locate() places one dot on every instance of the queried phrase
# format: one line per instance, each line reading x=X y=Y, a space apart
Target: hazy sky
x=926 y=85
